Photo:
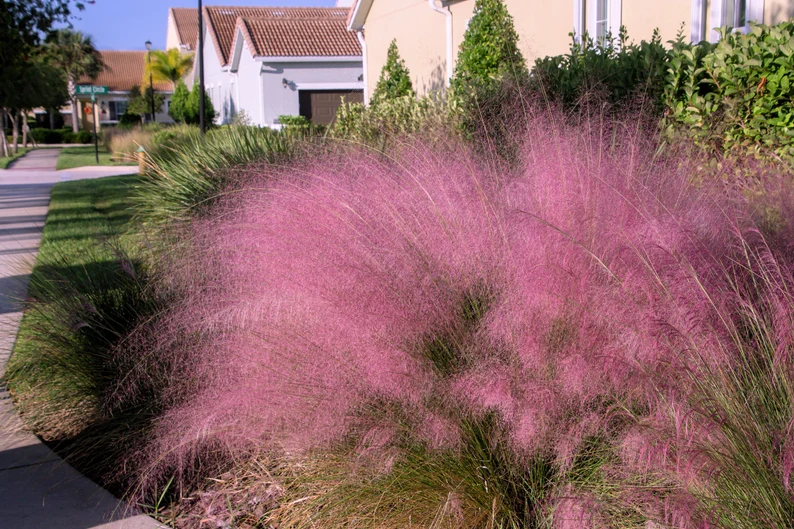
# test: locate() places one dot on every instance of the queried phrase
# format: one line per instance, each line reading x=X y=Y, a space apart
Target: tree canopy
x=171 y=65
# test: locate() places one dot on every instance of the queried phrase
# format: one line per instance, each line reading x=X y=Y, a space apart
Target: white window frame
x=614 y=16
x=753 y=12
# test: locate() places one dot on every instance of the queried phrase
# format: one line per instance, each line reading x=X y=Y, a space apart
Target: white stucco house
x=273 y=61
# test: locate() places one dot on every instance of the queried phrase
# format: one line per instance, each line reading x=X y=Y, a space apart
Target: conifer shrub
x=394 y=81
x=179 y=103
x=487 y=59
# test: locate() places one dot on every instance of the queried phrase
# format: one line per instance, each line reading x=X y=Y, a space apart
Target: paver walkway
x=38 y=489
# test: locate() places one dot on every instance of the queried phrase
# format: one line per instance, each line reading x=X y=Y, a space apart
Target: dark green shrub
x=394 y=81
x=129 y=120
x=84 y=137
x=46 y=135
x=184 y=181
x=612 y=68
x=736 y=94
x=70 y=137
x=179 y=102
x=192 y=111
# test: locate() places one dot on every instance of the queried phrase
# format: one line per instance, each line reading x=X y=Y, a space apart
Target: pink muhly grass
x=577 y=297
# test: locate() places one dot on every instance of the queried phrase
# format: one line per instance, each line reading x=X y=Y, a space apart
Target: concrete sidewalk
x=38 y=489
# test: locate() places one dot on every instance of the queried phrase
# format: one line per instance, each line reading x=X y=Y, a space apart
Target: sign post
x=88 y=90
x=93 y=91
x=96 y=138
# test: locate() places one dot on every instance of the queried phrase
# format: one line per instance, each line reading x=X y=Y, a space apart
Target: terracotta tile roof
x=222 y=22
x=186 y=21
x=123 y=70
x=299 y=37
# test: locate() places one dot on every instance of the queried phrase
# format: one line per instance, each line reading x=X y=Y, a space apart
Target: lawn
x=84 y=264
x=5 y=161
x=82 y=156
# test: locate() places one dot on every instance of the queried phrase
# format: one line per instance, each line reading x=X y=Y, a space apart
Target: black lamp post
x=200 y=50
x=151 y=83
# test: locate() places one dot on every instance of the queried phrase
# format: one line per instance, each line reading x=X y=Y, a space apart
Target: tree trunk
x=26 y=130
x=14 y=130
x=52 y=119
x=3 y=139
x=30 y=136
x=75 y=106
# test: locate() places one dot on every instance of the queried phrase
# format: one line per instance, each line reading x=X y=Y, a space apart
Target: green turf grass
x=71 y=157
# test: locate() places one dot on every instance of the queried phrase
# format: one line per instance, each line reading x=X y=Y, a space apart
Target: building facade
x=429 y=32
x=123 y=71
x=267 y=62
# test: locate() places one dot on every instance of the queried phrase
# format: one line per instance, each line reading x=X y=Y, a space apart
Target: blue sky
x=127 y=24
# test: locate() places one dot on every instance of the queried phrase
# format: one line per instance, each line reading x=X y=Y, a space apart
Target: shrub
x=579 y=332
x=376 y=125
x=84 y=137
x=69 y=137
x=487 y=57
x=614 y=69
x=394 y=81
x=47 y=135
x=192 y=109
x=129 y=120
x=735 y=95
x=294 y=121
x=179 y=102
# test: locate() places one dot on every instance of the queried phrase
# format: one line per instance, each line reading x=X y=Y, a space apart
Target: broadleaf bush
x=736 y=94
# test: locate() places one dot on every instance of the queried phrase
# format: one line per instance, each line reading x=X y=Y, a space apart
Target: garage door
x=320 y=105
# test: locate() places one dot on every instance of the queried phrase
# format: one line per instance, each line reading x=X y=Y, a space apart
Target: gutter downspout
x=360 y=35
x=448 y=14
x=262 y=99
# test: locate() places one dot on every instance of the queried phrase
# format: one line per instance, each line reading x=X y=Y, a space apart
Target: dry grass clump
x=123 y=144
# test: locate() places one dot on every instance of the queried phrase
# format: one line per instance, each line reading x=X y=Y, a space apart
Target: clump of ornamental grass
x=506 y=347
x=585 y=337
x=68 y=374
x=184 y=180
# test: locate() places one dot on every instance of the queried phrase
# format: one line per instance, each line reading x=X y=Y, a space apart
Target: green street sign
x=84 y=90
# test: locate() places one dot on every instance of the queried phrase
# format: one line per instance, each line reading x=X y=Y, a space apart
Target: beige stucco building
x=429 y=32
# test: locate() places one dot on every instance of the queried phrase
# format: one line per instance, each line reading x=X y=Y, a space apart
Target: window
x=601 y=19
x=117 y=109
x=597 y=17
x=736 y=14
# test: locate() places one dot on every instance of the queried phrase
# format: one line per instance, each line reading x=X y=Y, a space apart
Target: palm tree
x=75 y=53
x=168 y=66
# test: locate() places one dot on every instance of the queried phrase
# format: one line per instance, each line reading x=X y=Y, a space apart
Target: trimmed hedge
x=62 y=136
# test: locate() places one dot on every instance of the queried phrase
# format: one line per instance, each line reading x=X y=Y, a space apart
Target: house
x=271 y=61
x=123 y=70
x=183 y=33
x=429 y=33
